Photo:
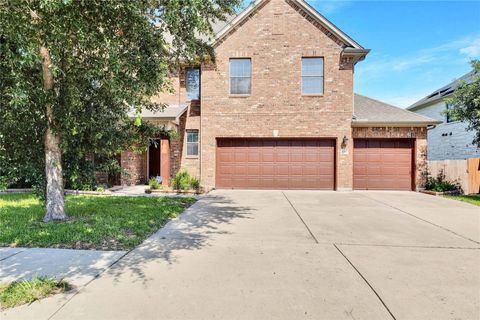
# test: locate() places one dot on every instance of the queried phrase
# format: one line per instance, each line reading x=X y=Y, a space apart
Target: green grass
x=472 y=198
x=95 y=222
x=28 y=291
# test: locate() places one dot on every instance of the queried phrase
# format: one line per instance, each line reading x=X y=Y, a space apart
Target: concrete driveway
x=298 y=255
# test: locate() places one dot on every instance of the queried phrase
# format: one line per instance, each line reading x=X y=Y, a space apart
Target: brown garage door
x=275 y=163
x=382 y=164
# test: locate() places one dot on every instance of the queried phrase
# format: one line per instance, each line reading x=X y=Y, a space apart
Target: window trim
x=238 y=95
x=323 y=77
x=199 y=83
x=187 y=143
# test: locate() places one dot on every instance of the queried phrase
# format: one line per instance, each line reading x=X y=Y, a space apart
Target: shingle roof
x=368 y=112
x=443 y=91
x=171 y=112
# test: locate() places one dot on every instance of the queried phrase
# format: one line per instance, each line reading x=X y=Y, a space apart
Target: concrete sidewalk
x=77 y=267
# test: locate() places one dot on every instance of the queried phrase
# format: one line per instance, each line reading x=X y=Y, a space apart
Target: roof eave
x=355 y=53
x=363 y=124
x=417 y=105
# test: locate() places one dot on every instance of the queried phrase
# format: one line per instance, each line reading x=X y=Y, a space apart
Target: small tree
x=466 y=102
x=71 y=71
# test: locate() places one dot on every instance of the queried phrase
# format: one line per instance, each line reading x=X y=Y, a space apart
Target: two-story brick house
x=278 y=111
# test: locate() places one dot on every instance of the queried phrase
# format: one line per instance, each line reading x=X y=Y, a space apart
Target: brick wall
x=276 y=37
x=190 y=120
x=420 y=136
x=135 y=164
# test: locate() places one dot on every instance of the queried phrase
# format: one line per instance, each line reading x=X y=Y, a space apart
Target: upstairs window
x=312 y=76
x=193 y=84
x=192 y=143
x=240 y=76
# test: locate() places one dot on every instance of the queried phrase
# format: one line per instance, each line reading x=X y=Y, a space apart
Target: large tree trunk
x=55 y=209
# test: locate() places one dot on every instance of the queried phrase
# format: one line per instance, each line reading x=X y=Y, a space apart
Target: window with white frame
x=240 y=76
x=312 y=76
x=192 y=142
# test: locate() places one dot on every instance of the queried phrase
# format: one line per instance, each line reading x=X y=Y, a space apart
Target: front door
x=154 y=159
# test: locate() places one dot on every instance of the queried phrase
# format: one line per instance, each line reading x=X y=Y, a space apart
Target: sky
x=417 y=46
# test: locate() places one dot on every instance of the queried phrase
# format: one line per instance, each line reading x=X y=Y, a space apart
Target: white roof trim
x=314 y=13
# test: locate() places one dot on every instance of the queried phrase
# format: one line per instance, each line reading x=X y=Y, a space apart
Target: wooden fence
x=466 y=172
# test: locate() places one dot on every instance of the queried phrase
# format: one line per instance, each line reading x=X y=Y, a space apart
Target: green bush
x=3 y=183
x=195 y=183
x=184 y=181
x=441 y=184
x=153 y=183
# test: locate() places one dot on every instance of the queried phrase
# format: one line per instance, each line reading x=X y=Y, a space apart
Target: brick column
x=165 y=161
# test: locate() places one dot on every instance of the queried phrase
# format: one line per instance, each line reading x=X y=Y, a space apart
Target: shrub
x=195 y=183
x=184 y=181
x=441 y=184
x=3 y=183
x=154 y=184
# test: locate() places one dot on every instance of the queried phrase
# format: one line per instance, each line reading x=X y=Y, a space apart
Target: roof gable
x=304 y=9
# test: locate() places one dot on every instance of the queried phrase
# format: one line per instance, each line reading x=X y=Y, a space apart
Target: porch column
x=165 y=161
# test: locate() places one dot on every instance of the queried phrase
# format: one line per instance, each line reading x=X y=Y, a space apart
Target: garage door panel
x=282 y=157
x=382 y=164
x=296 y=157
x=267 y=156
x=275 y=163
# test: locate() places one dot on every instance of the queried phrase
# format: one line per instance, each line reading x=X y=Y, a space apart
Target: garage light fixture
x=344 y=142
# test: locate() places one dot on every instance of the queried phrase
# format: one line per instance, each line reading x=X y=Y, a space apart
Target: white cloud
x=473 y=50
x=378 y=66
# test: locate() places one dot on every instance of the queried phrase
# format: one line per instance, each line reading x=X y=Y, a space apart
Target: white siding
x=456 y=144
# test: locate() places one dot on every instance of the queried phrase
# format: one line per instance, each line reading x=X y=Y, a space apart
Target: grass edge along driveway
x=95 y=222
x=472 y=198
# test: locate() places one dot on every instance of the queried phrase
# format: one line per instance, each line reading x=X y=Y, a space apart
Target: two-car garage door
x=275 y=163
x=258 y=163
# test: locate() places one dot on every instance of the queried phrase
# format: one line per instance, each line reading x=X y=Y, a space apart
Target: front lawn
x=96 y=222
x=28 y=291
x=472 y=198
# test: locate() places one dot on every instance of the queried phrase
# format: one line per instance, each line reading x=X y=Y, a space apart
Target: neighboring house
x=277 y=111
x=449 y=140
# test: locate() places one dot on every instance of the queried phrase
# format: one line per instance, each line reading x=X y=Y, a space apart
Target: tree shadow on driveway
x=192 y=230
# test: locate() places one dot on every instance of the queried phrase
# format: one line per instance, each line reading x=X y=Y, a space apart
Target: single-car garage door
x=275 y=163
x=382 y=164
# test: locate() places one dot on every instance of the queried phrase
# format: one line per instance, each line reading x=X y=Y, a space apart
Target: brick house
x=278 y=111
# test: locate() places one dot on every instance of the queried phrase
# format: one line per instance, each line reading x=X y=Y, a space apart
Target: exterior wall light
x=344 y=142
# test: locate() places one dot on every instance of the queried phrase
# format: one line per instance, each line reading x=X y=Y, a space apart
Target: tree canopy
x=103 y=59
x=465 y=102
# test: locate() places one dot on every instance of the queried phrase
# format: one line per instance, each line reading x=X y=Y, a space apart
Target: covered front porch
x=161 y=158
